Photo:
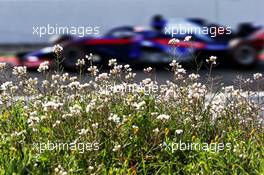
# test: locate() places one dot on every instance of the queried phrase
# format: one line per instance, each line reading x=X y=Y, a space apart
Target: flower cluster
x=257 y=76
x=178 y=70
x=43 y=66
x=20 y=71
x=57 y=49
x=2 y=66
x=212 y=60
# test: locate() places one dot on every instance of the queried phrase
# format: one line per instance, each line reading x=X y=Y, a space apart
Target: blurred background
x=18 y=17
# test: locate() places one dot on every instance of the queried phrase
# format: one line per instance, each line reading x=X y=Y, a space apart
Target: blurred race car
x=136 y=45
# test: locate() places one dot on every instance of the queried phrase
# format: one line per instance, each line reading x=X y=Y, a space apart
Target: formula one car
x=151 y=46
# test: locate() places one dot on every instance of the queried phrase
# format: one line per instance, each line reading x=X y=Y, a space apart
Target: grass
x=64 y=126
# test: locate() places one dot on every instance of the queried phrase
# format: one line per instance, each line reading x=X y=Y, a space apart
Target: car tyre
x=245 y=56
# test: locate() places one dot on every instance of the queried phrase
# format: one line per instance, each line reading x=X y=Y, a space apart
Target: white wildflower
x=173 y=41
x=134 y=127
x=196 y=91
x=89 y=57
x=75 y=110
x=116 y=70
x=6 y=85
x=148 y=70
x=51 y=105
x=139 y=105
x=127 y=66
x=56 y=170
x=93 y=70
x=90 y=167
x=45 y=84
x=173 y=63
x=74 y=85
x=228 y=89
x=178 y=131
x=156 y=131
x=74 y=78
x=114 y=117
x=146 y=81
x=212 y=60
x=112 y=62
x=163 y=116
x=57 y=122
x=20 y=71
x=33 y=119
x=60 y=170
x=130 y=76
x=177 y=69
x=43 y=66
x=2 y=66
x=187 y=38
x=102 y=77
x=257 y=76
x=80 y=62
x=90 y=106
x=83 y=132
x=57 y=48
x=194 y=76
x=95 y=125
x=116 y=148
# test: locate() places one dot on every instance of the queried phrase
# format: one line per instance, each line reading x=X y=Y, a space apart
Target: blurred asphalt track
x=226 y=74
x=222 y=74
